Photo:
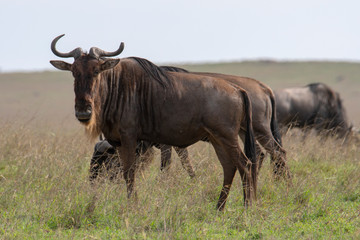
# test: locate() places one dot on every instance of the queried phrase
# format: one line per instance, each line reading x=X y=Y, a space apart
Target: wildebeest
x=314 y=106
x=132 y=99
x=264 y=124
x=264 y=119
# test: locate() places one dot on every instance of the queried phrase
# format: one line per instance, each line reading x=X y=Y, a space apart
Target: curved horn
x=98 y=53
x=74 y=53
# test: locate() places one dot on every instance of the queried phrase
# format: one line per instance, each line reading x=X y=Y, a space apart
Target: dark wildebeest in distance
x=315 y=106
x=132 y=99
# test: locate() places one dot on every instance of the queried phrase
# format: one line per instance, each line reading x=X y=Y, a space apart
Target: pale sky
x=183 y=31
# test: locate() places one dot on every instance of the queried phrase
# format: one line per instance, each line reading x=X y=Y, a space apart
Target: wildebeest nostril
x=84 y=116
x=89 y=110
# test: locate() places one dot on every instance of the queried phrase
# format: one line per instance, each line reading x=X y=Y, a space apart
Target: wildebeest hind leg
x=229 y=170
x=260 y=156
x=231 y=157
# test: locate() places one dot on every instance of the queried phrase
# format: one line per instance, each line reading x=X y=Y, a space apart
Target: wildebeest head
x=338 y=121
x=86 y=70
x=104 y=160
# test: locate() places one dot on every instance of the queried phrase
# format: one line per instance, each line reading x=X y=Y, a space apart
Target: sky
x=183 y=31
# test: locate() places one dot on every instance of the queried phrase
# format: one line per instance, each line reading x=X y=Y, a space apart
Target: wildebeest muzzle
x=83 y=114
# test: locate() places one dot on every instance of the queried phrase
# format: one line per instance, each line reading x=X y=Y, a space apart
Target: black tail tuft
x=273 y=123
x=249 y=144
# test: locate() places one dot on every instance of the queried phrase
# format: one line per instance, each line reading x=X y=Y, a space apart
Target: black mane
x=157 y=73
x=173 y=69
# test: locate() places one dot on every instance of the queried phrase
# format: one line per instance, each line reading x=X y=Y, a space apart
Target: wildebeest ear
x=61 y=65
x=109 y=63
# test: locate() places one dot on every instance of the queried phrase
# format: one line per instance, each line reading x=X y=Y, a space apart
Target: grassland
x=44 y=161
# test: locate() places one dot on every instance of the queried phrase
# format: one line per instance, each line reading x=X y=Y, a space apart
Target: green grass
x=45 y=193
x=44 y=161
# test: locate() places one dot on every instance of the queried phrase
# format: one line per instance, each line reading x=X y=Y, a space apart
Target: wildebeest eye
x=96 y=72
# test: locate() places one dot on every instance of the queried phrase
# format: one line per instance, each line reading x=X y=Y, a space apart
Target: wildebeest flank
x=132 y=99
x=315 y=106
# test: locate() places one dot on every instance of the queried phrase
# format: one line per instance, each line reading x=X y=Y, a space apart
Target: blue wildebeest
x=264 y=125
x=132 y=99
x=264 y=120
x=315 y=106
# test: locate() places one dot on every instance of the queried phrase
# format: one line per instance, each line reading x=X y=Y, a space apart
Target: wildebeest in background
x=132 y=99
x=264 y=119
x=315 y=106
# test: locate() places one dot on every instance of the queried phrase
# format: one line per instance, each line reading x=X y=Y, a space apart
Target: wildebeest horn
x=97 y=52
x=74 y=53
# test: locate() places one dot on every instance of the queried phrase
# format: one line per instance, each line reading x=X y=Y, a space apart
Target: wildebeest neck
x=132 y=87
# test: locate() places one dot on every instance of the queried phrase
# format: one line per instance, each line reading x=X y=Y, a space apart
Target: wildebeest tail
x=273 y=122
x=249 y=144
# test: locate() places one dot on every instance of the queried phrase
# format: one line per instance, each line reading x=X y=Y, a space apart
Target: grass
x=45 y=193
x=44 y=161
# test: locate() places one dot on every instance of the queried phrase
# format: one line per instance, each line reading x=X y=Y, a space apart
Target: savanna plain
x=45 y=192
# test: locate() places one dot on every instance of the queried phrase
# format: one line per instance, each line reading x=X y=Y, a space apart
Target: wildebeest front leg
x=165 y=156
x=183 y=155
x=185 y=160
x=276 y=151
x=260 y=156
x=128 y=159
